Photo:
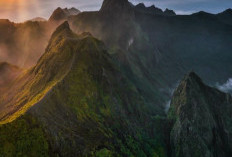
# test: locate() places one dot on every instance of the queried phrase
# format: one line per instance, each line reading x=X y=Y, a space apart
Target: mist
x=25 y=43
x=226 y=87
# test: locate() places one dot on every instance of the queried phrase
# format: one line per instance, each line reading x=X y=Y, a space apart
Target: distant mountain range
x=97 y=83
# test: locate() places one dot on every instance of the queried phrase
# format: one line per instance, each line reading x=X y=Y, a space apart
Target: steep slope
x=202 y=120
x=127 y=44
x=75 y=102
x=155 y=51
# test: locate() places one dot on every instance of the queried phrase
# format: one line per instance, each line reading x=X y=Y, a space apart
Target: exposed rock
x=202 y=120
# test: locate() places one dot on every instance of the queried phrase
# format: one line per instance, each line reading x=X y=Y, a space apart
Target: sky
x=21 y=10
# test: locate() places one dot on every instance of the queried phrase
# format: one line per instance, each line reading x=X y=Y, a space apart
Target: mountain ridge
x=196 y=107
x=77 y=80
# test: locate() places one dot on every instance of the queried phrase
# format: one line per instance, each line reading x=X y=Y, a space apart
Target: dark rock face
x=202 y=120
x=153 y=10
x=115 y=5
x=169 y=12
x=225 y=16
x=61 y=14
x=58 y=14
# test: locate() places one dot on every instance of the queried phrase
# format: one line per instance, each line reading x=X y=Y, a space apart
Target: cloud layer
x=226 y=87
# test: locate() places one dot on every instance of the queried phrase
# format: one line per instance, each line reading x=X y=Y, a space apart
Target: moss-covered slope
x=79 y=103
x=202 y=120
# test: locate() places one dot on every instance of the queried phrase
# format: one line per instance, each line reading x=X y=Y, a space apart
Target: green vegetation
x=23 y=137
x=200 y=115
x=86 y=106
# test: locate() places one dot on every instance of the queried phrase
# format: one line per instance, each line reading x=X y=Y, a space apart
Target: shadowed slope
x=202 y=117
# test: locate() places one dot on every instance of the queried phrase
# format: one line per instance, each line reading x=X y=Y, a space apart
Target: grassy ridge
x=82 y=103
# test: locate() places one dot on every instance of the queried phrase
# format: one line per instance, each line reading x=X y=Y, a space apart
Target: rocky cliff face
x=153 y=10
x=202 y=120
x=60 y=14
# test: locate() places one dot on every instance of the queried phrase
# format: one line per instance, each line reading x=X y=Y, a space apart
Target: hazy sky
x=20 y=10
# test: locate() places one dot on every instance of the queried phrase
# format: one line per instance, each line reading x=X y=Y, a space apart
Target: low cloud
x=226 y=87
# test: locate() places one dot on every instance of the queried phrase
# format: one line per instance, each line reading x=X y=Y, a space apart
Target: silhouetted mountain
x=153 y=10
x=202 y=120
x=226 y=16
x=115 y=6
x=169 y=12
x=62 y=14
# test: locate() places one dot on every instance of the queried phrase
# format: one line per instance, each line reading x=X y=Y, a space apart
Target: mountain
x=62 y=14
x=155 y=51
x=169 y=12
x=202 y=120
x=115 y=6
x=226 y=16
x=22 y=44
x=76 y=102
x=153 y=10
x=99 y=84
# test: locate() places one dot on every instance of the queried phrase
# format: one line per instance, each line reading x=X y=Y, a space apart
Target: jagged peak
x=58 y=14
x=226 y=12
x=202 y=13
x=152 y=6
x=192 y=77
x=64 y=28
x=154 y=10
x=61 y=14
x=115 y=5
x=190 y=85
x=141 y=5
x=169 y=12
x=64 y=25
